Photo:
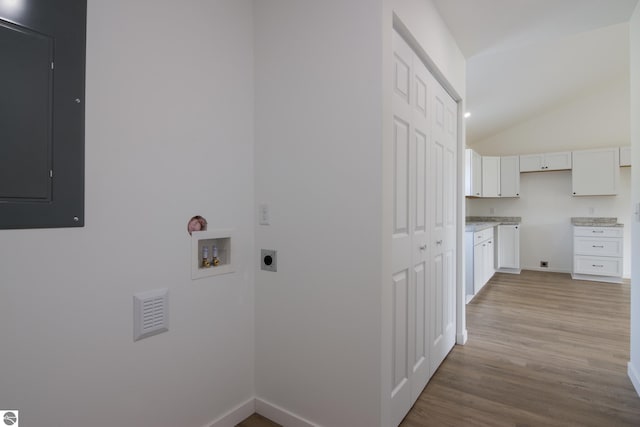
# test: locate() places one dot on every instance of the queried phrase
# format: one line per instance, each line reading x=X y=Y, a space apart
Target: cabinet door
x=596 y=172
x=490 y=176
x=531 y=162
x=489 y=268
x=478 y=266
x=510 y=176
x=508 y=246
x=473 y=173
x=476 y=161
x=625 y=156
x=557 y=161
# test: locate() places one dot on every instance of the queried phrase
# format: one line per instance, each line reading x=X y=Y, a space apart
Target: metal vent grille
x=150 y=313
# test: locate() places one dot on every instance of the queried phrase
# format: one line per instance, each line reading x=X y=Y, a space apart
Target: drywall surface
x=318 y=168
x=596 y=118
x=169 y=134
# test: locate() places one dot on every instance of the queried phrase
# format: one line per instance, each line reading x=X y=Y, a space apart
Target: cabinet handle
x=597 y=265
x=574 y=192
x=423 y=247
x=438 y=242
x=517 y=194
x=597 y=231
x=516 y=227
x=596 y=246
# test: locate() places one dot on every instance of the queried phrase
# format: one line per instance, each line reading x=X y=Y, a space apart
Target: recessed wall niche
x=211 y=253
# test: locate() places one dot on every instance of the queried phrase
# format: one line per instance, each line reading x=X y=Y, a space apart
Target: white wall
x=634 y=364
x=169 y=134
x=545 y=204
x=597 y=118
x=318 y=167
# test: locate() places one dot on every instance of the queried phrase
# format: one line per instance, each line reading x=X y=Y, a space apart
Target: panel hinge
x=50 y=173
x=52 y=65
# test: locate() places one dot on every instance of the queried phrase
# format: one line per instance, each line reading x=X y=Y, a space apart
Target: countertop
x=479 y=223
x=582 y=221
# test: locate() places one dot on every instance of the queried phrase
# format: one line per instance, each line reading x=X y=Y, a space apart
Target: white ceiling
x=526 y=56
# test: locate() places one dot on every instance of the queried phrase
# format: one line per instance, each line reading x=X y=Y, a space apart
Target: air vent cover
x=150 y=313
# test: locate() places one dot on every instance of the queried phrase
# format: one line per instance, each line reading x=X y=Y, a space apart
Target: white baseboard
x=461 y=339
x=280 y=415
x=548 y=270
x=236 y=415
x=509 y=270
x=634 y=377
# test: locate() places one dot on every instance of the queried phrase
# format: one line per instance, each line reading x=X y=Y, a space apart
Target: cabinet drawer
x=597 y=246
x=598 y=231
x=481 y=236
x=598 y=265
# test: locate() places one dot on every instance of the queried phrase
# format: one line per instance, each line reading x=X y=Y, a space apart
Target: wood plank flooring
x=543 y=350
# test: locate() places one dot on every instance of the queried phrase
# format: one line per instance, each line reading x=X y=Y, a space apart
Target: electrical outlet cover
x=268 y=260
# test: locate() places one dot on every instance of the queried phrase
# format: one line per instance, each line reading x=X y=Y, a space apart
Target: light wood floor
x=543 y=350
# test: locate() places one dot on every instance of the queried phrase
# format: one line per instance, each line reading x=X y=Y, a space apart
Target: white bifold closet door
x=424 y=234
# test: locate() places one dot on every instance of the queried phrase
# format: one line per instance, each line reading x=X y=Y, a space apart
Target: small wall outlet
x=544 y=264
x=268 y=260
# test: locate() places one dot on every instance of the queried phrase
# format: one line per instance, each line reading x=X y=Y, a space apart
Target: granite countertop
x=479 y=223
x=589 y=221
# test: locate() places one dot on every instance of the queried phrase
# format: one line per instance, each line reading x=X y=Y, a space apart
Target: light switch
x=263 y=214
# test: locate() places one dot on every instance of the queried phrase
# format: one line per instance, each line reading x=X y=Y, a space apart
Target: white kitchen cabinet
x=596 y=172
x=488 y=268
x=509 y=176
x=597 y=253
x=490 y=176
x=508 y=248
x=545 y=162
x=479 y=263
x=473 y=173
x=625 y=156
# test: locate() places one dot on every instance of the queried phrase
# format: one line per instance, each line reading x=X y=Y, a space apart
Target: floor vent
x=150 y=313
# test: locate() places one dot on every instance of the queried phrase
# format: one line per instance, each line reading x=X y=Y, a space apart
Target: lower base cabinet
x=479 y=268
x=508 y=248
x=597 y=254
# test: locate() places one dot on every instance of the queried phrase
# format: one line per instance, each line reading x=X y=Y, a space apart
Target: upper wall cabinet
x=596 y=172
x=545 y=162
x=625 y=156
x=490 y=176
x=473 y=177
x=510 y=176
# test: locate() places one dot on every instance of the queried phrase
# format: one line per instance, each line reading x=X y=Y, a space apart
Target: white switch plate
x=263 y=214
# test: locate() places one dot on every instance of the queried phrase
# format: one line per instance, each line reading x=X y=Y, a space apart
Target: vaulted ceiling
x=527 y=56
